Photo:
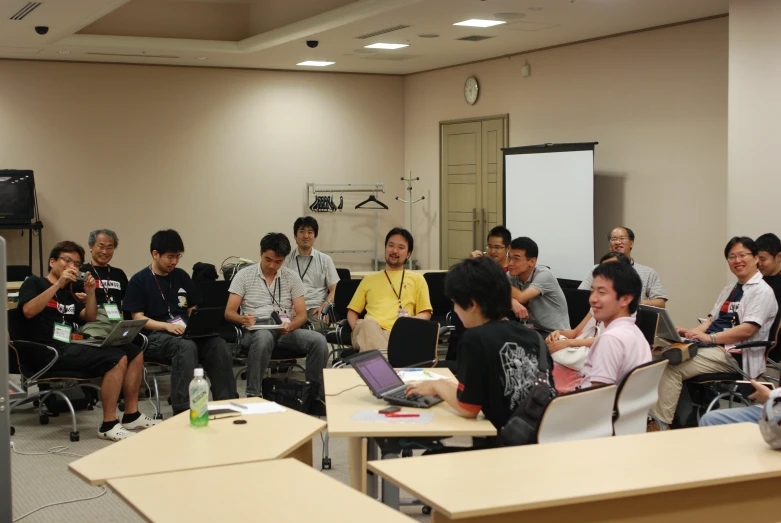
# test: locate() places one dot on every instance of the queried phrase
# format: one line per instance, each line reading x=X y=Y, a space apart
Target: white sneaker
x=117 y=433
x=143 y=422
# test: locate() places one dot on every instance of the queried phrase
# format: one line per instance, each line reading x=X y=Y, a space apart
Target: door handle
x=485 y=225
x=475 y=227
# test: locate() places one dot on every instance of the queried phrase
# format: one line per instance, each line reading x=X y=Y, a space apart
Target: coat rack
x=409 y=201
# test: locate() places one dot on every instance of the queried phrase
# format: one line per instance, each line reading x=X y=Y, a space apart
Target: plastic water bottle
x=199 y=398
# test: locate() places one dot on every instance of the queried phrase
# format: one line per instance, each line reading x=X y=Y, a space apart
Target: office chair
x=344 y=274
x=577 y=305
x=442 y=305
x=582 y=414
x=413 y=343
x=648 y=323
x=340 y=338
x=637 y=393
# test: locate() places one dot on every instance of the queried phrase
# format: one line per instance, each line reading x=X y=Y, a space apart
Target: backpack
x=204 y=272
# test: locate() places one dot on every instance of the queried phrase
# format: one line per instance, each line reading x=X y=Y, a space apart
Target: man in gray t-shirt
x=536 y=293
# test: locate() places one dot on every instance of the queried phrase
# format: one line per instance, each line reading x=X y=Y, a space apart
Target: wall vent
x=26 y=9
x=134 y=55
x=474 y=38
x=382 y=31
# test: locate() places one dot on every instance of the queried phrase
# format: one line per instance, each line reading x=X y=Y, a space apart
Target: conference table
x=279 y=490
x=347 y=397
x=174 y=445
x=721 y=473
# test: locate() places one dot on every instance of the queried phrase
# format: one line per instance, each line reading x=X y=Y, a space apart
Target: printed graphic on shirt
x=182 y=296
x=109 y=285
x=62 y=308
x=520 y=373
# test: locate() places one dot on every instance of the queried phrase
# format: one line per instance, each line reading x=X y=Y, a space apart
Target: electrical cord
x=149 y=395
x=345 y=390
x=61 y=450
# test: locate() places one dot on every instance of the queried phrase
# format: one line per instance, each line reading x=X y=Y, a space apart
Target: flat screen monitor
x=17 y=196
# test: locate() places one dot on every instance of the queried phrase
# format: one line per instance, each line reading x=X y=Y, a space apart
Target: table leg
x=356 y=462
x=390 y=492
x=372 y=481
x=303 y=453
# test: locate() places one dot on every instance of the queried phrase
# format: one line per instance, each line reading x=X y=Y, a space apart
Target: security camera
x=312 y=43
x=41 y=29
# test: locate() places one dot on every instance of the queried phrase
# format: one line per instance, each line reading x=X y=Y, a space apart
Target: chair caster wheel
x=426 y=510
x=74 y=436
x=43 y=419
x=326 y=463
x=406 y=453
x=89 y=407
x=13 y=431
x=36 y=403
x=158 y=416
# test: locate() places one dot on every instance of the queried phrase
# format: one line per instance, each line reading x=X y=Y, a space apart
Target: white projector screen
x=549 y=197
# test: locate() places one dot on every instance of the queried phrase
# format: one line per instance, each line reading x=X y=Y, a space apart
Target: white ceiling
x=272 y=34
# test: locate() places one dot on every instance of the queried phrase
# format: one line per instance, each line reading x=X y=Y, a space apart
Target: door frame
x=442 y=213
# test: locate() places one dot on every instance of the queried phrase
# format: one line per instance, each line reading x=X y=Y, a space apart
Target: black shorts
x=92 y=361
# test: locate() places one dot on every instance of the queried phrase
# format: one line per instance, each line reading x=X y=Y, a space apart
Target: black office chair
x=648 y=323
x=413 y=343
x=569 y=284
x=340 y=338
x=577 y=305
x=34 y=362
x=18 y=272
x=442 y=305
x=344 y=274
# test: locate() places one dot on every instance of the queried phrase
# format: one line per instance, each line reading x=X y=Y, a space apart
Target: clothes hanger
x=341 y=203
x=371 y=199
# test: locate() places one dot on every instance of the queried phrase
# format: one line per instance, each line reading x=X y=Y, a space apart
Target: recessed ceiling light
x=475 y=22
x=428 y=35
x=64 y=51
x=201 y=58
x=315 y=63
x=385 y=46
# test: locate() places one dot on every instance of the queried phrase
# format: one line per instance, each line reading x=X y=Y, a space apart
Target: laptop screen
x=378 y=373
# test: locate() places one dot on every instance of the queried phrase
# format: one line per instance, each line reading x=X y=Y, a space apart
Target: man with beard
x=388 y=295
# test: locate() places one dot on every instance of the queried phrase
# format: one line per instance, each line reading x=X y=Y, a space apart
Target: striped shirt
x=652 y=285
x=317 y=271
x=256 y=294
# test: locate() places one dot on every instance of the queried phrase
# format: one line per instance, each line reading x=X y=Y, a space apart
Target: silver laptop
x=124 y=332
x=666 y=330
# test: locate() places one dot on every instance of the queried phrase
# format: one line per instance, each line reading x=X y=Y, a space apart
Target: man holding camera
x=51 y=310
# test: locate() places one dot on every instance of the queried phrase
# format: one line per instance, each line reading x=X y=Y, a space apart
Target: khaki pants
x=708 y=360
x=368 y=335
x=102 y=326
x=318 y=324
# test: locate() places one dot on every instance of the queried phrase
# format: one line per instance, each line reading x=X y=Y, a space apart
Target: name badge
x=112 y=311
x=403 y=313
x=177 y=321
x=62 y=332
x=285 y=318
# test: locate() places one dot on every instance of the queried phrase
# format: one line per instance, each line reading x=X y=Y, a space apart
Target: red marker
x=403 y=415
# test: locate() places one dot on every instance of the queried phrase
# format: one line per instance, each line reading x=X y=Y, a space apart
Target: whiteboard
x=549 y=197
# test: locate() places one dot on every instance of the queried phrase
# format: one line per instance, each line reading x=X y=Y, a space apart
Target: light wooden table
x=359 y=275
x=722 y=473
x=362 y=435
x=279 y=491
x=173 y=445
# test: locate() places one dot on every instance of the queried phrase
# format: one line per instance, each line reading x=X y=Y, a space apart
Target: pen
x=403 y=415
x=238 y=405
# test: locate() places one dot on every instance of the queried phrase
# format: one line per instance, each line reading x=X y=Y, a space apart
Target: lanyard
x=161 y=292
x=109 y=299
x=401 y=286
x=307 y=267
x=63 y=303
x=277 y=288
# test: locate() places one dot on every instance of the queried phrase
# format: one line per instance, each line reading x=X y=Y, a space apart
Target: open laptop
x=383 y=381
x=666 y=329
x=204 y=323
x=124 y=332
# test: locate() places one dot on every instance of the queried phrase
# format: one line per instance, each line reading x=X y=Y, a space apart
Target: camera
x=312 y=43
x=81 y=276
x=41 y=29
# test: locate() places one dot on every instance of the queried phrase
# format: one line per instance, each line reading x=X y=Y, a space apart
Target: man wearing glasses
x=498 y=247
x=51 y=309
x=743 y=312
x=165 y=295
x=622 y=239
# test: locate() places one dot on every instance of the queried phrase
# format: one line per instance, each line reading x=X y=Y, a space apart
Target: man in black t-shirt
x=498 y=358
x=165 y=295
x=111 y=282
x=51 y=310
x=769 y=259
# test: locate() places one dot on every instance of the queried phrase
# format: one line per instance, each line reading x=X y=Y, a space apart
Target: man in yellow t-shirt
x=388 y=295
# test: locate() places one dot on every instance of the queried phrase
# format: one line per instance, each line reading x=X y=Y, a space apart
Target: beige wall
x=223 y=156
x=754 y=172
x=657 y=104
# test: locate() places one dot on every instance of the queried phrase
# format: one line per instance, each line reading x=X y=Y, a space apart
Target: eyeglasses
x=618 y=239
x=107 y=248
x=490 y=247
x=740 y=256
x=69 y=261
x=172 y=257
x=518 y=259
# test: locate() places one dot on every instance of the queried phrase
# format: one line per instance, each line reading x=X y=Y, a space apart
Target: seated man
x=743 y=312
x=769 y=258
x=111 y=282
x=388 y=295
x=500 y=358
x=315 y=269
x=262 y=290
x=621 y=346
x=536 y=292
x=750 y=414
x=622 y=240
x=165 y=295
x=51 y=310
x=498 y=247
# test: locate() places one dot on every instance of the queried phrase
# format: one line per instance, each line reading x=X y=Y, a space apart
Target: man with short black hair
x=536 y=292
x=263 y=294
x=615 y=296
x=769 y=259
x=622 y=239
x=165 y=295
x=743 y=312
x=500 y=359
x=498 y=247
x=316 y=269
x=51 y=309
x=388 y=295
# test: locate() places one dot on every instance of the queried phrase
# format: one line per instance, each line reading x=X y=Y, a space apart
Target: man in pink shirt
x=615 y=295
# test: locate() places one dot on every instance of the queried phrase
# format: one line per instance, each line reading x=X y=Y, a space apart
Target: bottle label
x=199 y=413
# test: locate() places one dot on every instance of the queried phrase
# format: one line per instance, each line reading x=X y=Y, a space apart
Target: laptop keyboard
x=400 y=394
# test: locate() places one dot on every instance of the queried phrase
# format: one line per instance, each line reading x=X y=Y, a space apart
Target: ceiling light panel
x=385 y=46
x=315 y=63
x=476 y=22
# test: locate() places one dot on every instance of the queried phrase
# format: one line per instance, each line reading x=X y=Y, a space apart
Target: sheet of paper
x=376 y=417
x=264 y=327
x=249 y=408
x=412 y=375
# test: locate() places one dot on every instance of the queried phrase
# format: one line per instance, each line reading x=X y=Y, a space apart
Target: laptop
x=383 y=381
x=124 y=332
x=204 y=323
x=666 y=329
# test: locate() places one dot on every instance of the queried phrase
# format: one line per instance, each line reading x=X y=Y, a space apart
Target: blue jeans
x=727 y=416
